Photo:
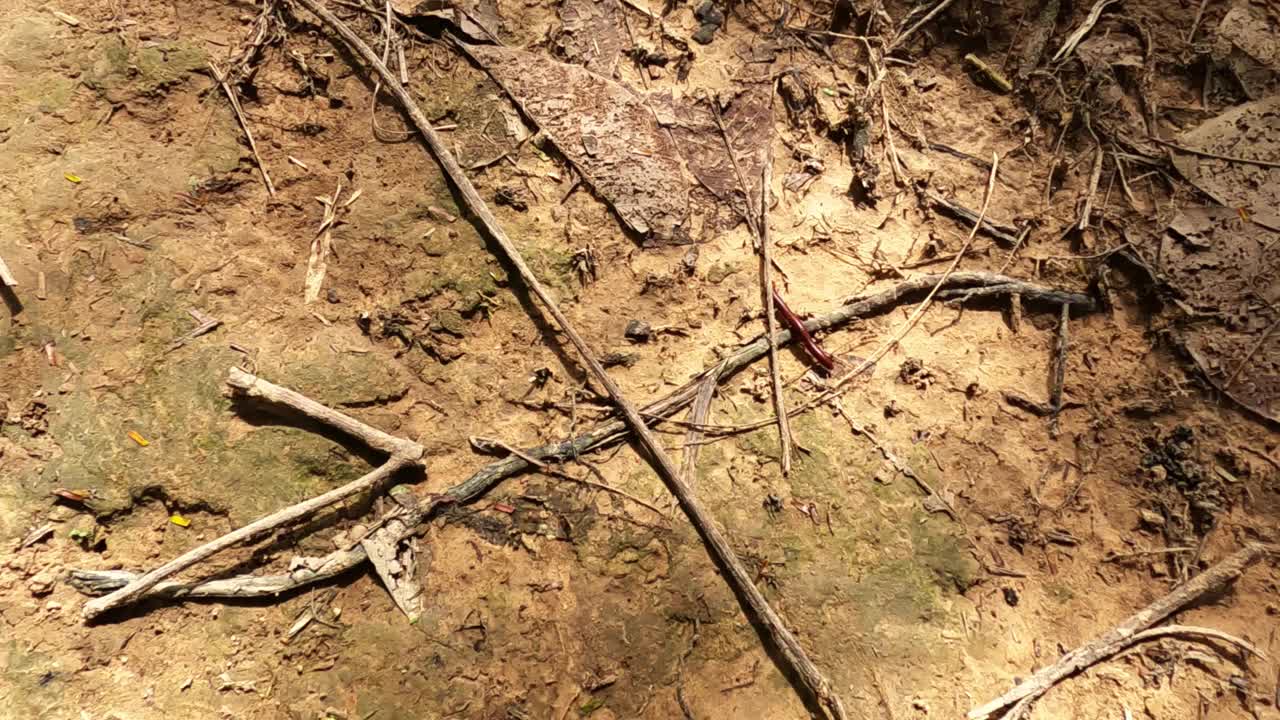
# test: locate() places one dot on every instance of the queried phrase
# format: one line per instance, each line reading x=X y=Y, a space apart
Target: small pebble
x=638 y=331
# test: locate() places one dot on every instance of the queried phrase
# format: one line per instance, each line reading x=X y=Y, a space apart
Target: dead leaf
x=635 y=167
x=1251 y=130
x=1220 y=272
x=747 y=117
x=593 y=34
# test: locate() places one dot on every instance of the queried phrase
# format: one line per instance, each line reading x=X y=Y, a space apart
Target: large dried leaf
x=1224 y=276
x=605 y=130
x=593 y=34
x=747 y=119
x=1250 y=131
x=1246 y=44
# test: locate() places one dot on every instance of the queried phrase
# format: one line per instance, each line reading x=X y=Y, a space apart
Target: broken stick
x=697 y=391
x=1128 y=632
x=791 y=652
x=6 y=276
x=403 y=454
x=767 y=295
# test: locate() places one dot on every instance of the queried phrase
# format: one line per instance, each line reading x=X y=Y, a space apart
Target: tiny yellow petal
x=179 y=520
x=72 y=178
x=134 y=436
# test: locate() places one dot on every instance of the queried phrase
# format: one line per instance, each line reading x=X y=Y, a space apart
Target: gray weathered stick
x=403 y=453
x=697 y=391
x=6 y=276
x=1121 y=636
x=740 y=579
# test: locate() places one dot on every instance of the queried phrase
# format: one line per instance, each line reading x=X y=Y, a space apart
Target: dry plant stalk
x=1128 y=632
x=770 y=319
x=790 y=650
x=221 y=79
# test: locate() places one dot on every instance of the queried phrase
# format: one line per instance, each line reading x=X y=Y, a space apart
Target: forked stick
x=789 y=648
x=403 y=453
x=697 y=391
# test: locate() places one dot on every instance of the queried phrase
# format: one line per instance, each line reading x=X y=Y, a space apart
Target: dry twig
x=898 y=464
x=1069 y=45
x=770 y=320
x=793 y=655
x=1126 y=633
x=902 y=37
x=311 y=570
x=221 y=79
x=403 y=454
x=837 y=386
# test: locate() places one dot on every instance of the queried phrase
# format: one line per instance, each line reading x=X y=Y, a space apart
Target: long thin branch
x=838 y=385
x=486 y=478
x=718 y=546
x=770 y=320
x=1121 y=636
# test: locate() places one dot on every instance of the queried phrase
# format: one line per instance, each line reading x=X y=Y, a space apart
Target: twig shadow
x=11 y=300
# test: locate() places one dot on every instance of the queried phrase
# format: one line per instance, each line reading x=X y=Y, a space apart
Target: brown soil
x=126 y=183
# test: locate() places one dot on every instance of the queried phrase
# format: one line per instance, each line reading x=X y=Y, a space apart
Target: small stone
x=709 y=14
x=41 y=583
x=332 y=296
x=705 y=34
x=1010 y=597
x=1158 y=473
x=638 y=331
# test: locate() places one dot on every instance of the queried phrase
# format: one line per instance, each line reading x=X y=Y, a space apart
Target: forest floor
x=129 y=198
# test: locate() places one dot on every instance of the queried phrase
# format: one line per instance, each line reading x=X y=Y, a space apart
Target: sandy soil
x=129 y=198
